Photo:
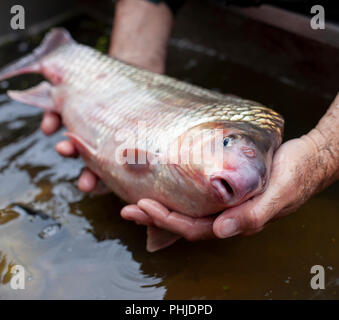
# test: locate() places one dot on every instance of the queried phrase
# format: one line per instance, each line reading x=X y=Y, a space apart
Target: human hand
x=301 y=167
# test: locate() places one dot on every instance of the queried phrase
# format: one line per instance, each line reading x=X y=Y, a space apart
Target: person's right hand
x=140 y=35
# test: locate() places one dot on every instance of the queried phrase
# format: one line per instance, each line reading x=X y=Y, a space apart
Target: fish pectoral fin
x=81 y=145
x=39 y=96
x=159 y=239
x=137 y=160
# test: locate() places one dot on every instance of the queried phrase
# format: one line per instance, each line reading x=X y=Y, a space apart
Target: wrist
x=326 y=137
x=325 y=159
x=315 y=160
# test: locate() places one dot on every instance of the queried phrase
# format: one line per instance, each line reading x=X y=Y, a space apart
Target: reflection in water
x=88 y=251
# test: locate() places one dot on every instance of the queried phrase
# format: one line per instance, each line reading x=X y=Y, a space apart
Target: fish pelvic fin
x=137 y=161
x=159 y=239
x=31 y=63
x=83 y=147
x=39 y=96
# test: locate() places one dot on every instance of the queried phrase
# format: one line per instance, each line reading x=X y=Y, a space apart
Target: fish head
x=235 y=160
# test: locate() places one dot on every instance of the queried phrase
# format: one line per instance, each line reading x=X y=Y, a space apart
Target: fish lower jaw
x=221 y=191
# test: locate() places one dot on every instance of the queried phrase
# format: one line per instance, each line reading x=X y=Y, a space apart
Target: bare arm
x=140 y=34
x=325 y=138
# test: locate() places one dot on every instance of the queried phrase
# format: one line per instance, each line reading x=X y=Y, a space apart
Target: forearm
x=325 y=140
x=140 y=33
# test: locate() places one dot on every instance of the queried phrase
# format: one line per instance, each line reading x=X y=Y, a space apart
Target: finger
x=247 y=218
x=134 y=213
x=87 y=181
x=66 y=148
x=51 y=122
x=190 y=228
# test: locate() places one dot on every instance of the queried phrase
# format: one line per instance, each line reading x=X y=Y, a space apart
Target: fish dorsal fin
x=39 y=96
x=54 y=39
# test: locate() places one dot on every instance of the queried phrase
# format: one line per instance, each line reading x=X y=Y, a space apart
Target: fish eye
x=229 y=140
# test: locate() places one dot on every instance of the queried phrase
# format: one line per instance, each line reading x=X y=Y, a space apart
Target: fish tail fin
x=31 y=63
x=159 y=239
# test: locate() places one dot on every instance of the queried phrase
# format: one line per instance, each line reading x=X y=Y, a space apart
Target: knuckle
x=254 y=220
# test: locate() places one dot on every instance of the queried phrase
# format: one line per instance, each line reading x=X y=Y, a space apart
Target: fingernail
x=229 y=228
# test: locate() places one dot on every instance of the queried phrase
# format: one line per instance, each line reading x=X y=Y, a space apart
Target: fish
x=146 y=135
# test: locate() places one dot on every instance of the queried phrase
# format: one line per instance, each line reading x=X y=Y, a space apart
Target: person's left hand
x=293 y=180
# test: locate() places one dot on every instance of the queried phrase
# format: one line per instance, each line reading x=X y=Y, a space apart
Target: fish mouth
x=223 y=188
x=234 y=187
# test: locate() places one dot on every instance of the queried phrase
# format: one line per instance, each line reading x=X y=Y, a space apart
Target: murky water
x=74 y=245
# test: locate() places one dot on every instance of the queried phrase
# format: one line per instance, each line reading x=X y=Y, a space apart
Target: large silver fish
x=141 y=132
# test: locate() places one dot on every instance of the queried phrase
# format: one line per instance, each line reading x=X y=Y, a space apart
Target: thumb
x=247 y=218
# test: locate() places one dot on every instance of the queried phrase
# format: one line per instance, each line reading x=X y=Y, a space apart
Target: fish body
x=139 y=131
